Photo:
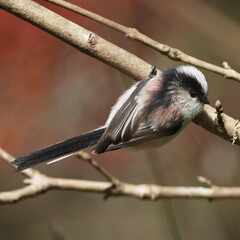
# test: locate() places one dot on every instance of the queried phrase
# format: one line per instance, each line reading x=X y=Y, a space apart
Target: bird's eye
x=193 y=94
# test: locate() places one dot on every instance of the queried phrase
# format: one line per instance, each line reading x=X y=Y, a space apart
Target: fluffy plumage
x=155 y=108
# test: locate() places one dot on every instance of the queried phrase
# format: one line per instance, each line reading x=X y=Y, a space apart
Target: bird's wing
x=127 y=116
x=146 y=137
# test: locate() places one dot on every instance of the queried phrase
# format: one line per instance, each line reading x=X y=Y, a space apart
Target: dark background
x=49 y=92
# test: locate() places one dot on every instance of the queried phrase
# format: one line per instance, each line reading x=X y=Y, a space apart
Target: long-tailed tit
x=154 y=109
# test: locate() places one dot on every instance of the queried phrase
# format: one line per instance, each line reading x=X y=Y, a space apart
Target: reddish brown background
x=49 y=91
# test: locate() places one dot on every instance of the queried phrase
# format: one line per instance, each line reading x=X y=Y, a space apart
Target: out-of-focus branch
x=172 y=53
x=95 y=46
x=56 y=231
x=39 y=183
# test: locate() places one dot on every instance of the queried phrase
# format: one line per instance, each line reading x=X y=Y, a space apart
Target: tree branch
x=229 y=129
x=78 y=37
x=97 y=47
x=85 y=156
x=173 y=53
x=39 y=183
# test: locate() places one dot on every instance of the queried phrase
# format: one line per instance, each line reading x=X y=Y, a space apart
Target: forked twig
x=87 y=157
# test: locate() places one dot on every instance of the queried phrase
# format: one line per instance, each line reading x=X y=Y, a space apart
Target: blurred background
x=49 y=91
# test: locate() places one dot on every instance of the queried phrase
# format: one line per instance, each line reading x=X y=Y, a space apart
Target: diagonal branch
x=173 y=53
x=85 y=156
x=86 y=41
x=97 y=47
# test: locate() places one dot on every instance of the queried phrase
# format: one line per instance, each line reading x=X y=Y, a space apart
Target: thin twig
x=40 y=183
x=207 y=182
x=142 y=191
x=116 y=183
x=85 y=156
x=219 y=119
x=173 y=53
x=236 y=132
x=208 y=120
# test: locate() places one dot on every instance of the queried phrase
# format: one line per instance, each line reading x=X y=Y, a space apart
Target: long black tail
x=58 y=150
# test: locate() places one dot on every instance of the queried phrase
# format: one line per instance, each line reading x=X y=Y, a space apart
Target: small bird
x=150 y=113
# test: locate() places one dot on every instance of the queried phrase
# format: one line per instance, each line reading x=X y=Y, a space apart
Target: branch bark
x=173 y=53
x=228 y=130
x=78 y=37
x=97 y=47
x=39 y=183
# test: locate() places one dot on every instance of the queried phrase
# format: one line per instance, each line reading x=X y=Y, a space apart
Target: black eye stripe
x=192 y=85
x=172 y=80
x=188 y=82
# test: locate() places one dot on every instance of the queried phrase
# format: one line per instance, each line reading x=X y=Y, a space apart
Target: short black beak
x=205 y=100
